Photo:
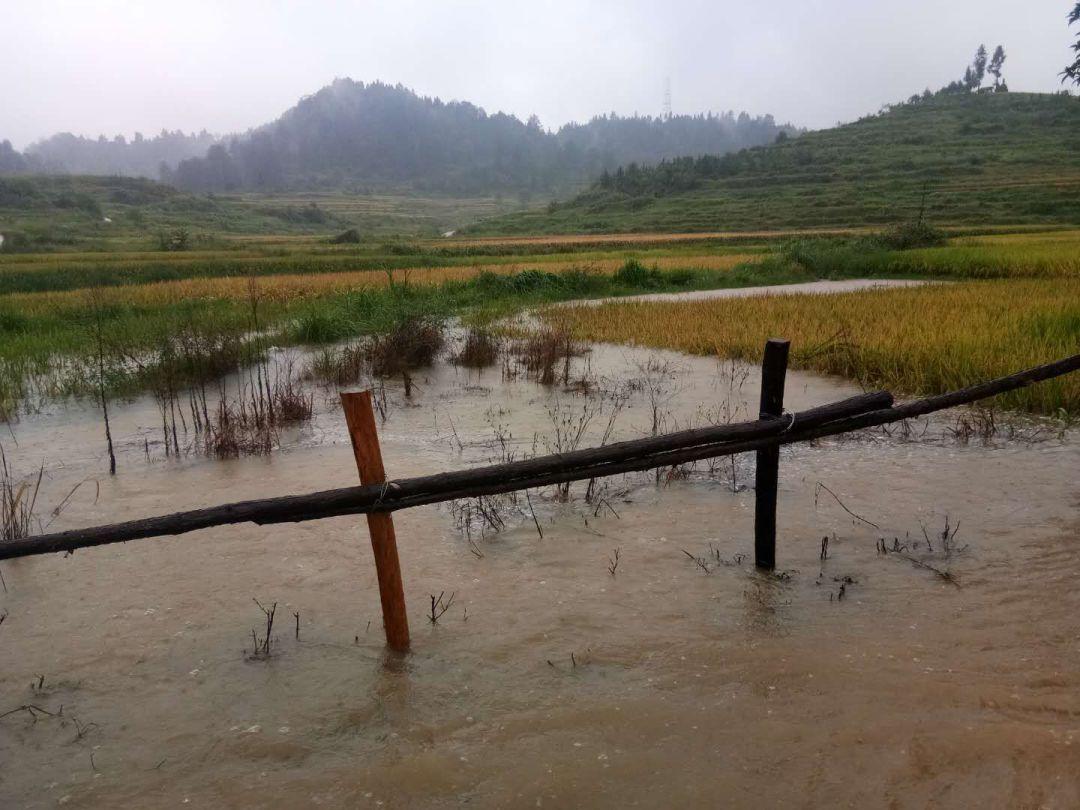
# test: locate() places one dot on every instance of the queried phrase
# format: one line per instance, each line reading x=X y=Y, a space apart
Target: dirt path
x=807 y=288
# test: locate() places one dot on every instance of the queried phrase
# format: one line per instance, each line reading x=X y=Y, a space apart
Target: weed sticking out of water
x=613 y=562
x=291 y=403
x=569 y=425
x=480 y=515
x=480 y=349
x=340 y=367
x=439 y=605
x=18 y=500
x=978 y=423
x=413 y=342
x=261 y=647
x=250 y=422
x=544 y=351
x=946 y=538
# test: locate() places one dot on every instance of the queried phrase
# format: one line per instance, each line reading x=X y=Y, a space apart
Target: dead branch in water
x=262 y=648
x=439 y=606
x=33 y=711
x=947 y=576
x=698 y=561
x=820 y=486
x=528 y=499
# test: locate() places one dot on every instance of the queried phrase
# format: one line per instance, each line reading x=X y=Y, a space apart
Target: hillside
x=41 y=212
x=362 y=137
x=1002 y=158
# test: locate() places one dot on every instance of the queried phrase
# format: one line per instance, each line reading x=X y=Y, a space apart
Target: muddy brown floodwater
x=551 y=682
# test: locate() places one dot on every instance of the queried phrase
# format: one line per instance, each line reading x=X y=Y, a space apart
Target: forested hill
x=138 y=157
x=65 y=153
x=359 y=137
x=352 y=136
x=978 y=158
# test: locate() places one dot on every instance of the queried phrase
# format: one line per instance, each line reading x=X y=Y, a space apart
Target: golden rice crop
x=921 y=340
x=1028 y=239
x=1010 y=260
x=288 y=288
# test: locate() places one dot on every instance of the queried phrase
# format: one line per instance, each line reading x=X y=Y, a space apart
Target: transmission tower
x=667 y=97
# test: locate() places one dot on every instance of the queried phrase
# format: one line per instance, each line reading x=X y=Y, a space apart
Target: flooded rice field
x=619 y=650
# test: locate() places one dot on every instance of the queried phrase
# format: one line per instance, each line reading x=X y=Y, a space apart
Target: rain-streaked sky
x=120 y=66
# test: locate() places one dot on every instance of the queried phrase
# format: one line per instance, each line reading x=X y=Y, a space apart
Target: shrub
x=542 y=350
x=912 y=235
x=635 y=274
x=413 y=343
x=340 y=367
x=14 y=242
x=682 y=277
x=309 y=214
x=480 y=350
x=349 y=237
x=320 y=327
x=579 y=280
x=174 y=240
x=532 y=281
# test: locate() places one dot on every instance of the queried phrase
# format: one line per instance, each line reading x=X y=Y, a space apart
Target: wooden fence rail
x=378 y=497
x=856 y=413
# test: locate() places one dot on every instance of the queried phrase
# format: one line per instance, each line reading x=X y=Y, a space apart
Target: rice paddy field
x=919 y=340
x=647 y=641
x=1013 y=300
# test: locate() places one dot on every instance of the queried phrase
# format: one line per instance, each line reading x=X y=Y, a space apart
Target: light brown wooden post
x=365 y=441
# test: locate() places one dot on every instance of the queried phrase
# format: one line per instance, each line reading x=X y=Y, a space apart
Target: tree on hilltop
x=970 y=82
x=979 y=66
x=1072 y=72
x=997 y=63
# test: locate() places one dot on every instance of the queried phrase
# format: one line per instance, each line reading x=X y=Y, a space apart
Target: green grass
x=1002 y=158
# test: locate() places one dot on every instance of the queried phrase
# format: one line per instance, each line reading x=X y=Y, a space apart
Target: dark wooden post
x=773 y=373
x=365 y=441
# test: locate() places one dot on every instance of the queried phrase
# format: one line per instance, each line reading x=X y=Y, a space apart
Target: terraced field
x=977 y=160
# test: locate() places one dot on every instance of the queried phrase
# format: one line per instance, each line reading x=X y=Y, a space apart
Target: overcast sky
x=93 y=66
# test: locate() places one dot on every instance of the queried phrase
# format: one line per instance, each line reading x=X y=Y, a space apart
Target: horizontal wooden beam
x=860 y=412
x=403 y=493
